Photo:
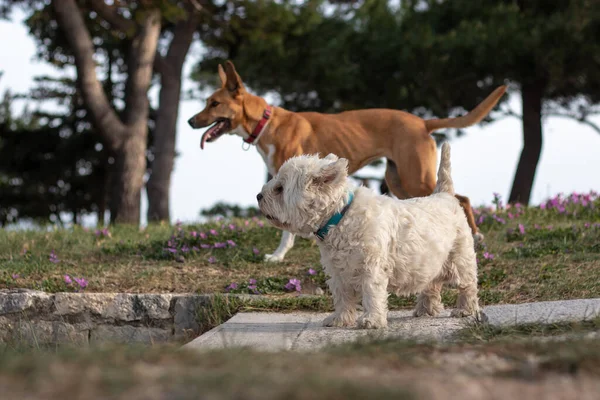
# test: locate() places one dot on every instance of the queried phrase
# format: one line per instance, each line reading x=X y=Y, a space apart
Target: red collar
x=260 y=127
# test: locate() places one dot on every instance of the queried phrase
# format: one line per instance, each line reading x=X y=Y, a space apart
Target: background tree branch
x=105 y=118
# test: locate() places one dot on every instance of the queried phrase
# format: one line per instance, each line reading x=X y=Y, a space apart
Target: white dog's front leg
x=374 y=300
x=345 y=300
x=287 y=242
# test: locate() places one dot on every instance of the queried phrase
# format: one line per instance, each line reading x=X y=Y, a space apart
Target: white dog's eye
x=278 y=189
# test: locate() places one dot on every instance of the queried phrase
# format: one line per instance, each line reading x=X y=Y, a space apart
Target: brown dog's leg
x=465 y=203
x=392 y=180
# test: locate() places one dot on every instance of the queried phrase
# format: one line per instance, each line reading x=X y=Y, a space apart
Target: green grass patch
x=486 y=332
x=220 y=308
x=529 y=254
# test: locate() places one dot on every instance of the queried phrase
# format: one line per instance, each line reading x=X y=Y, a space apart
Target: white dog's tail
x=444 y=183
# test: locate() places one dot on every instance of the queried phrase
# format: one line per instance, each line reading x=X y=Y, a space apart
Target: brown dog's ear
x=222 y=76
x=234 y=82
x=333 y=172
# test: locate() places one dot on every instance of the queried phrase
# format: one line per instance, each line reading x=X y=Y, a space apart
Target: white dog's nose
x=259 y=197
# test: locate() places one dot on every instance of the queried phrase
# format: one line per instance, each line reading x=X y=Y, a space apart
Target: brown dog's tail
x=444 y=183
x=476 y=115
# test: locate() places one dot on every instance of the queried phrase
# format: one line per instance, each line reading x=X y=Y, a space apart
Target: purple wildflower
x=82 y=282
x=185 y=249
x=255 y=251
x=68 y=279
x=260 y=223
x=212 y=260
x=203 y=235
x=498 y=219
x=171 y=250
x=232 y=286
x=312 y=271
x=220 y=245
x=195 y=248
x=293 y=284
x=53 y=257
x=194 y=234
x=231 y=243
x=521 y=229
x=213 y=232
x=15 y=276
x=232 y=227
x=252 y=281
x=488 y=256
x=205 y=246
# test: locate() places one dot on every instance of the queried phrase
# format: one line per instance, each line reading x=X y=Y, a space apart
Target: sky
x=483 y=161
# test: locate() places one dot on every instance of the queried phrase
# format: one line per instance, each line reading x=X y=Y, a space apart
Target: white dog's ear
x=332 y=172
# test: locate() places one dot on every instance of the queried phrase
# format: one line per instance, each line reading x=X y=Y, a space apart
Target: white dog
x=372 y=244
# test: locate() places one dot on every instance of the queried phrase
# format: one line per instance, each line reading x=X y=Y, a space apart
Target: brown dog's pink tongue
x=203 y=140
x=210 y=133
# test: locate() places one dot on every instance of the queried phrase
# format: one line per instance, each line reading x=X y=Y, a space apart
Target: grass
x=220 y=308
x=380 y=369
x=485 y=332
x=530 y=254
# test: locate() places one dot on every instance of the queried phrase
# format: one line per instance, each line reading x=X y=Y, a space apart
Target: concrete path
x=303 y=331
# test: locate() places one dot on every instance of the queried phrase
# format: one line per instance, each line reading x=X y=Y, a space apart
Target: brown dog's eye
x=279 y=189
x=214 y=104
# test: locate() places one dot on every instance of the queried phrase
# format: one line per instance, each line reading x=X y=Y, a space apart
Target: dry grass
x=390 y=369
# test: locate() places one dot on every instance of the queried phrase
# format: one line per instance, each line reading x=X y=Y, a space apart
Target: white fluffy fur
x=382 y=244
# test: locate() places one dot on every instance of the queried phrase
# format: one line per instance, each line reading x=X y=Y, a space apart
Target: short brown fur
x=361 y=136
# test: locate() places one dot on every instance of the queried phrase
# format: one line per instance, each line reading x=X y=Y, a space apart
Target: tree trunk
x=128 y=177
x=159 y=183
x=170 y=69
x=532 y=95
x=127 y=138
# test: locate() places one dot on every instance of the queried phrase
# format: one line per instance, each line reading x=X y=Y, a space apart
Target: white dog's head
x=306 y=191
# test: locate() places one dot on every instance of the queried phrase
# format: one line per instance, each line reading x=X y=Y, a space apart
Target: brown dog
x=360 y=136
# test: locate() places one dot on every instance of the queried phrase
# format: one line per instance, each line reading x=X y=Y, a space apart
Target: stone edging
x=37 y=317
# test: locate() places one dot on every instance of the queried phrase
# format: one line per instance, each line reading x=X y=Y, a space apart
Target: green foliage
x=50 y=163
x=225 y=210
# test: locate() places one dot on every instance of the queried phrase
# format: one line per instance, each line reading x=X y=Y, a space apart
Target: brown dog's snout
x=192 y=122
x=259 y=197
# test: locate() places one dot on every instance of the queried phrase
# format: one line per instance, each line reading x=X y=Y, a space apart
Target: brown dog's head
x=224 y=108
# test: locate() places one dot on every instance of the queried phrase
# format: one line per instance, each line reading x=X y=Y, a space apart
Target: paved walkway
x=303 y=331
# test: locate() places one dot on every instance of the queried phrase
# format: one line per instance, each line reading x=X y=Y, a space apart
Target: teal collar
x=335 y=219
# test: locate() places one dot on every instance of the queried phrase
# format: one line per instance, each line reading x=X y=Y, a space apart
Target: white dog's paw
x=422 y=312
x=340 y=320
x=431 y=309
x=372 y=321
x=478 y=237
x=273 y=258
x=461 y=313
